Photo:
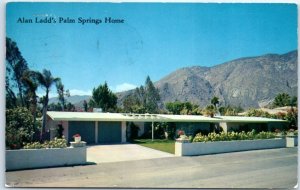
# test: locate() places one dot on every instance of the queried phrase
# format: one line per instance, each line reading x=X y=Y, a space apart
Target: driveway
x=274 y=168
x=122 y=152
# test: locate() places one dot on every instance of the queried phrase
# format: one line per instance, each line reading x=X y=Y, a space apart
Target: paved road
x=275 y=168
x=122 y=152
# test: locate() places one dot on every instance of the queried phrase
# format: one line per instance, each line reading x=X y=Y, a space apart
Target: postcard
x=151 y=95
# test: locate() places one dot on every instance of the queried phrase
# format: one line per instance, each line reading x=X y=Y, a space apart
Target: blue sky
x=155 y=39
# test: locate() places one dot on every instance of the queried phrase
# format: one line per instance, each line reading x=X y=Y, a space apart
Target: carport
x=95 y=127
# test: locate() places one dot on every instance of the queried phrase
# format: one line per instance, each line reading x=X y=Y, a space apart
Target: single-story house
x=97 y=127
x=232 y=123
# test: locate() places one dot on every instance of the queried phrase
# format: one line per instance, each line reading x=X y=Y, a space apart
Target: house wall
x=65 y=125
x=53 y=125
x=191 y=127
x=229 y=127
x=52 y=128
x=232 y=126
x=277 y=125
x=141 y=127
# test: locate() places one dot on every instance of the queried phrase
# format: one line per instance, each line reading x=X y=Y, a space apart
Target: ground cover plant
x=55 y=143
x=230 y=136
x=158 y=144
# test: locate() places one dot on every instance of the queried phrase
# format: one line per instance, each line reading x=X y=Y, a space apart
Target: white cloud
x=51 y=95
x=124 y=86
x=80 y=92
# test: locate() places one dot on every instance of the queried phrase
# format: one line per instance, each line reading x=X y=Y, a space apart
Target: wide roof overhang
x=240 y=119
x=94 y=116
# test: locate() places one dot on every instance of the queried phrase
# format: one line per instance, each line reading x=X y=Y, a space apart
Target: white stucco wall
x=291 y=141
x=201 y=148
x=39 y=158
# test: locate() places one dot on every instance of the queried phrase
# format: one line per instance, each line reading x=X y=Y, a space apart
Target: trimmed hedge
x=231 y=136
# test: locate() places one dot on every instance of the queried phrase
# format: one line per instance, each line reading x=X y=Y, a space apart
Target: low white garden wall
x=291 y=141
x=201 y=148
x=38 y=158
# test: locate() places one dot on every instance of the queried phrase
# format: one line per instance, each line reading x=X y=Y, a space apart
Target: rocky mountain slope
x=246 y=82
x=77 y=100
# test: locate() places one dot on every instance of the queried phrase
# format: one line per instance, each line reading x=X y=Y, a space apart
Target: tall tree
x=282 y=99
x=85 y=106
x=11 y=99
x=70 y=107
x=62 y=93
x=103 y=98
x=31 y=84
x=129 y=102
x=214 y=101
x=144 y=99
x=175 y=107
x=152 y=96
x=16 y=66
x=46 y=80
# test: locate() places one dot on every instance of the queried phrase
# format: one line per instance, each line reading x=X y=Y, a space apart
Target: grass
x=158 y=144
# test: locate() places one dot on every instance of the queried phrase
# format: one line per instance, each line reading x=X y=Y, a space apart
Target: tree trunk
x=21 y=95
x=44 y=114
x=63 y=104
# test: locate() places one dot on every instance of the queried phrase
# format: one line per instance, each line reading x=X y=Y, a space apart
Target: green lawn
x=158 y=144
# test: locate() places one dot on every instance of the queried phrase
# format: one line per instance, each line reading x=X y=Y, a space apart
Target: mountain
x=246 y=82
x=76 y=100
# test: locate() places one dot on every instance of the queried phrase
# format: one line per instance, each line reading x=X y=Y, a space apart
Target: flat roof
x=248 y=119
x=190 y=118
x=95 y=116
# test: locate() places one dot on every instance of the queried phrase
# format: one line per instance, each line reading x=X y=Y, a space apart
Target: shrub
x=233 y=136
x=292 y=132
x=292 y=118
x=19 y=127
x=56 y=143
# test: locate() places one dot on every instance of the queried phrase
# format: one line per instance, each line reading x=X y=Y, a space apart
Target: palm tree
x=214 y=101
x=46 y=80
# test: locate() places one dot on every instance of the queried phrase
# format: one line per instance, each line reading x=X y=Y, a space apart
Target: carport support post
x=152 y=131
x=96 y=132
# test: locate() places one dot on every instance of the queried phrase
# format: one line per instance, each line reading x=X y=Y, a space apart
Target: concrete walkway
x=122 y=152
